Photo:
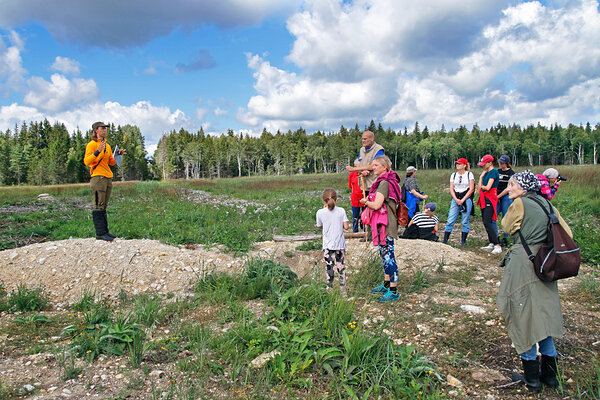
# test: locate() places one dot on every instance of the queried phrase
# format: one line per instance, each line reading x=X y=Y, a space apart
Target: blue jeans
x=503 y=203
x=356 y=222
x=453 y=216
x=546 y=348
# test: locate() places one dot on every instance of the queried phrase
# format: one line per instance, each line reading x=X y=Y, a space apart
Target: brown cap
x=97 y=125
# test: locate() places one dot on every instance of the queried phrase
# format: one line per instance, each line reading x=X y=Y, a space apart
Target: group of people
x=531 y=307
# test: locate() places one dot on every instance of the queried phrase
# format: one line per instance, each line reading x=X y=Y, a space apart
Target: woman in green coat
x=531 y=307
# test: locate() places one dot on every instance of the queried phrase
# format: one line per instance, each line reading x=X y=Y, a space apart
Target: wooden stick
x=294 y=238
x=365 y=234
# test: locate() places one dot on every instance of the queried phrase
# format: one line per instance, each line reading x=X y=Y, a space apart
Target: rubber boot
x=463 y=238
x=106 y=225
x=100 y=226
x=446 y=237
x=548 y=371
x=530 y=376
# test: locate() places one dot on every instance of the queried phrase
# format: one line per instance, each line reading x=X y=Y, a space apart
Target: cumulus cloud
x=153 y=121
x=60 y=93
x=203 y=61
x=444 y=63
x=65 y=65
x=11 y=64
x=120 y=24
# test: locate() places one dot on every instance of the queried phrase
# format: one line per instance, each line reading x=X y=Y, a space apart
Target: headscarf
x=528 y=180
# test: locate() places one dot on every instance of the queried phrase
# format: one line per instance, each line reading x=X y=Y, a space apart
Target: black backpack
x=559 y=257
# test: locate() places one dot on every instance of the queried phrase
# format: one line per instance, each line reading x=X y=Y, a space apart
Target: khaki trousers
x=101 y=189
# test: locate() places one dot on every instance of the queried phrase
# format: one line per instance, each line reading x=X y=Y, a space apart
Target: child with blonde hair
x=333 y=220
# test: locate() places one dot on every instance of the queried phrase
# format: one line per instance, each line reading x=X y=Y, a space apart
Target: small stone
x=452 y=381
x=472 y=309
x=263 y=358
x=29 y=388
x=13 y=255
x=157 y=374
x=66 y=391
x=42 y=260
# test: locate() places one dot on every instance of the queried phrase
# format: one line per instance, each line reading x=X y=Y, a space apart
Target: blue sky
x=281 y=64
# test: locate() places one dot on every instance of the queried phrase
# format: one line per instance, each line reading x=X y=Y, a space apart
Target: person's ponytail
x=329 y=198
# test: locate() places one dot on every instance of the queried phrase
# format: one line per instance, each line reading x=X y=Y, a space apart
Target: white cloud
x=220 y=112
x=60 y=93
x=444 y=62
x=65 y=65
x=201 y=113
x=153 y=121
x=123 y=24
x=11 y=64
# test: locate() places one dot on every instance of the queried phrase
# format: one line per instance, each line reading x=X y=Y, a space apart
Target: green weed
x=25 y=299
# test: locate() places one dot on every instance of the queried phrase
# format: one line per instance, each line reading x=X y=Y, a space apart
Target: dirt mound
x=68 y=267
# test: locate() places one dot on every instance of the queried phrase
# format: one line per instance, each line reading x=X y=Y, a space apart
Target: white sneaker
x=489 y=247
x=497 y=250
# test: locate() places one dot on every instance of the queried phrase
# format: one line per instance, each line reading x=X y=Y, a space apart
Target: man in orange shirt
x=98 y=156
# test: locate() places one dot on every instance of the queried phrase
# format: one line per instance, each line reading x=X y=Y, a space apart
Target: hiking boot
x=530 y=376
x=463 y=238
x=548 y=371
x=489 y=247
x=389 y=297
x=446 y=237
x=504 y=242
x=100 y=226
x=106 y=225
x=497 y=250
x=379 y=289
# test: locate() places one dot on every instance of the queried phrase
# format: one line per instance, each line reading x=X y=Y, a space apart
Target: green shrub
x=25 y=299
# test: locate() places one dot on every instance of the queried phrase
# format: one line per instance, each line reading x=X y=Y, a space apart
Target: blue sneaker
x=379 y=289
x=389 y=297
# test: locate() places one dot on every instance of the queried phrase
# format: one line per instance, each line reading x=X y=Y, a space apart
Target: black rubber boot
x=530 y=376
x=446 y=237
x=549 y=370
x=106 y=225
x=463 y=238
x=100 y=225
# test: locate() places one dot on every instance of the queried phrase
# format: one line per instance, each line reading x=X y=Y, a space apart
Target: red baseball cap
x=486 y=159
x=461 y=161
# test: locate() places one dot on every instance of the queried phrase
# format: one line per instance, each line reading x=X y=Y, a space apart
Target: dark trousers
x=488 y=221
x=356 y=221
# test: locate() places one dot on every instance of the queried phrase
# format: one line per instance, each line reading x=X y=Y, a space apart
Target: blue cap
x=431 y=206
x=504 y=159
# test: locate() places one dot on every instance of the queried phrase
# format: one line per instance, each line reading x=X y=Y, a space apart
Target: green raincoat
x=531 y=307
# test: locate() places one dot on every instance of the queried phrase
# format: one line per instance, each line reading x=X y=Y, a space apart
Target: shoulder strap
x=98 y=163
x=453 y=176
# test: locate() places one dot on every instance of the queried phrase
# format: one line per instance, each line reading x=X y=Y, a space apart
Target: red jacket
x=357 y=193
x=492 y=196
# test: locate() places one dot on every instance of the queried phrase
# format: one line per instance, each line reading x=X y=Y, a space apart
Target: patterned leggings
x=337 y=259
x=386 y=251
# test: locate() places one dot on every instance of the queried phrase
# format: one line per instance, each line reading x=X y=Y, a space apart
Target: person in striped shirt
x=424 y=225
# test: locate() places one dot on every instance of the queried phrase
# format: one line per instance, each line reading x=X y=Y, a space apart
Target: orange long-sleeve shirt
x=103 y=160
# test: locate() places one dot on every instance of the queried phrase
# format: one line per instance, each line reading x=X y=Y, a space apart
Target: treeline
x=43 y=154
x=186 y=155
x=40 y=153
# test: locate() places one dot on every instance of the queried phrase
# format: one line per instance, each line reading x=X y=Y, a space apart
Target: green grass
x=285 y=205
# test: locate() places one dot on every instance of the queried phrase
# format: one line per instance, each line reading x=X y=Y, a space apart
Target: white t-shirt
x=333 y=227
x=461 y=182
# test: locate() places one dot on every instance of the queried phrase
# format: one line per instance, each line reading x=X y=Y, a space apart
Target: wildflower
x=88 y=352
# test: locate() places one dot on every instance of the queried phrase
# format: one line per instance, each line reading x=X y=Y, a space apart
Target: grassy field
x=323 y=345
x=275 y=205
